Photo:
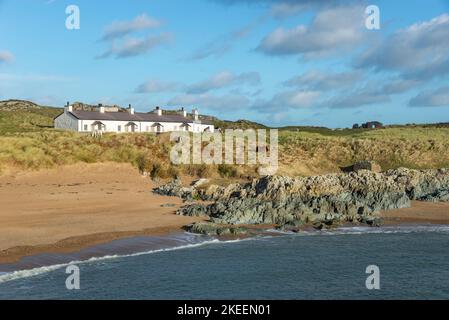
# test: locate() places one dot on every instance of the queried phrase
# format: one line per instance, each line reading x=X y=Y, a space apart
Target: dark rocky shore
x=293 y=203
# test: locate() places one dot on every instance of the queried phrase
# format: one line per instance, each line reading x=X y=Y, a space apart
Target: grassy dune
x=413 y=147
x=299 y=153
x=28 y=142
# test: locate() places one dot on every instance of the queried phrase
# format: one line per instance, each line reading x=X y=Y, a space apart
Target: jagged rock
x=442 y=195
x=213 y=229
x=200 y=183
x=321 y=201
x=194 y=210
x=363 y=165
x=423 y=184
x=175 y=189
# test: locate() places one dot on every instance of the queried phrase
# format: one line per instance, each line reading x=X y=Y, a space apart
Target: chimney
x=68 y=107
x=130 y=109
x=101 y=108
x=183 y=112
x=196 y=115
x=158 y=111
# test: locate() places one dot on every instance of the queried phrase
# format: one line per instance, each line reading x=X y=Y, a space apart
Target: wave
x=373 y=230
x=10 y=276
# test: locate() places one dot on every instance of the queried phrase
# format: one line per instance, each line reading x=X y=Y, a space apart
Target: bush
x=143 y=163
x=227 y=171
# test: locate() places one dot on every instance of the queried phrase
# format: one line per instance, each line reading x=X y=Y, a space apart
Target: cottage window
x=85 y=127
x=119 y=128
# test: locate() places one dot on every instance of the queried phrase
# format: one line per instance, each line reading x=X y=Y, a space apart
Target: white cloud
x=420 y=51
x=224 y=79
x=222 y=103
x=6 y=56
x=123 y=43
x=123 y=28
x=136 y=46
x=283 y=101
x=154 y=86
x=330 y=31
x=435 y=98
x=319 y=80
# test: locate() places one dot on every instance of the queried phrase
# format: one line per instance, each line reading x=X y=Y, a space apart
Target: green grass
x=27 y=120
x=28 y=141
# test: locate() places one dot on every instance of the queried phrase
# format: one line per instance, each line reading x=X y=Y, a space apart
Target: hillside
x=27 y=141
x=25 y=116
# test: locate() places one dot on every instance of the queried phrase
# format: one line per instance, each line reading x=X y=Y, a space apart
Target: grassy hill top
x=25 y=116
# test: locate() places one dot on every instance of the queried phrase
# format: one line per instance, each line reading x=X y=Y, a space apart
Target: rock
x=363 y=165
x=321 y=201
x=193 y=210
x=213 y=229
x=176 y=189
x=168 y=205
x=199 y=183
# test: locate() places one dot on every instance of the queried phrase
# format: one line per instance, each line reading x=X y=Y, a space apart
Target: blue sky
x=279 y=62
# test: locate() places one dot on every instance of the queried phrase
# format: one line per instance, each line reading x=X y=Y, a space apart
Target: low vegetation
x=28 y=141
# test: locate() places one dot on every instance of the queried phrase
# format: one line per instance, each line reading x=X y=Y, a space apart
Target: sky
x=278 y=62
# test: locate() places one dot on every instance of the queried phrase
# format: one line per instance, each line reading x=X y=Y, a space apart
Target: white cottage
x=130 y=121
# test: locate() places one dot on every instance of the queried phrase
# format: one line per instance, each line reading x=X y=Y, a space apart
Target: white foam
x=380 y=230
x=5 y=277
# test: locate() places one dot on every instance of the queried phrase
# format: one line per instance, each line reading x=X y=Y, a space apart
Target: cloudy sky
x=280 y=62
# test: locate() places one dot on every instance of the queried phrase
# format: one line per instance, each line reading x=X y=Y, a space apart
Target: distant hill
x=239 y=124
x=18 y=105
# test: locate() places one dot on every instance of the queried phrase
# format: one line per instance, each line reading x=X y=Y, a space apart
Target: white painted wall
x=66 y=121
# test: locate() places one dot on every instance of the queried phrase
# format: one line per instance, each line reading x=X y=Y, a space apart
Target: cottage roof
x=125 y=116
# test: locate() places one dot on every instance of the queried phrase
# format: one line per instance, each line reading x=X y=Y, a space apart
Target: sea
x=392 y=262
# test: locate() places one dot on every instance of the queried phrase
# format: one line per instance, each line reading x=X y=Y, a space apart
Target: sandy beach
x=419 y=212
x=72 y=207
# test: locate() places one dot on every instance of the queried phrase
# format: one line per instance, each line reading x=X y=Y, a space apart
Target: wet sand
x=419 y=212
x=66 y=209
x=75 y=207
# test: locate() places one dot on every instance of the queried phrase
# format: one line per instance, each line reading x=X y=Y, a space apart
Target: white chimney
x=130 y=109
x=68 y=107
x=101 y=108
x=196 y=114
x=158 y=111
x=183 y=112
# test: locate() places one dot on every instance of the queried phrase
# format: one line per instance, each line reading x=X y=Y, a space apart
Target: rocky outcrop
x=176 y=189
x=363 y=165
x=423 y=185
x=321 y=201
x=213 y=229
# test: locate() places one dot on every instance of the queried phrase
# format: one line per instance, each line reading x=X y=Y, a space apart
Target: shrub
x=143 y=163
x=227 y=171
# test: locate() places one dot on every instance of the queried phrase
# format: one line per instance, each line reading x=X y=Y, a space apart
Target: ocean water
x=413 y=263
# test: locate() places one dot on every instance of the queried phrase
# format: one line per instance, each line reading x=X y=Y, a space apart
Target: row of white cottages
x=130 y=121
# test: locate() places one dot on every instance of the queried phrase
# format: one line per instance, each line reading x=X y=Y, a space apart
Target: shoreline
x=435 y=214
x=78 y=206
x=74 y=208
x=419 y=213
x=76 y=244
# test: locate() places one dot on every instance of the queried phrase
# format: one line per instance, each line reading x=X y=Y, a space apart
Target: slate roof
x=125 y=116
